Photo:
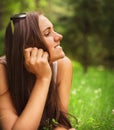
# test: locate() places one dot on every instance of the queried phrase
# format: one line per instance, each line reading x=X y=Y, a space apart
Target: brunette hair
x=27 y=34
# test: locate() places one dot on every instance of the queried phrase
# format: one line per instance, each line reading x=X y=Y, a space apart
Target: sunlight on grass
x=92 y=98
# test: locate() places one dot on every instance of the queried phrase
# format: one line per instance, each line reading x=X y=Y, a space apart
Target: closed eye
x=47 y=31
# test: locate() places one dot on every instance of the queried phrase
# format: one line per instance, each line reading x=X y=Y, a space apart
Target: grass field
x=92 y=98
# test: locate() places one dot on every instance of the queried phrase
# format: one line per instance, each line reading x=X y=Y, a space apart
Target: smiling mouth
x=58 y=46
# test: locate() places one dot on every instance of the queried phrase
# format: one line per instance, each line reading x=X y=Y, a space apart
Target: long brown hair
x=27 y=34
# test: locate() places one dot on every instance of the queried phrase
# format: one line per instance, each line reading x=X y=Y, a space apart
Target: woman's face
x=52 y=39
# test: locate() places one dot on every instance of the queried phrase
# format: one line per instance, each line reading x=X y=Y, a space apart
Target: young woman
x=35 y=76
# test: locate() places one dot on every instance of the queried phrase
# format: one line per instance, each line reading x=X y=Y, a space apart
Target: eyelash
x=47 y=34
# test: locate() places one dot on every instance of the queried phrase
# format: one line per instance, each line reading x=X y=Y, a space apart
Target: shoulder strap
x=55 y=71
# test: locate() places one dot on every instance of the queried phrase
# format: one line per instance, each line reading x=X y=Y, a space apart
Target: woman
x=35 y=76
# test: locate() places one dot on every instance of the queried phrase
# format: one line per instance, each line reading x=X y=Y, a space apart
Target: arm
x=7 y=111
x=64 y=81
x=28 y=120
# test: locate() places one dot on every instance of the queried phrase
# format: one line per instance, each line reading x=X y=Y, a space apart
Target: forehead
x=44 y=22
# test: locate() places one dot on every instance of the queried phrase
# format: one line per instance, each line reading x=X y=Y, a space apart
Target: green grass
x=92 y=98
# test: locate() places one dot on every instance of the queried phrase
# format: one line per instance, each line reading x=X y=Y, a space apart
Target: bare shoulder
x=3 y=80
x=65 y=63
x=64 y=73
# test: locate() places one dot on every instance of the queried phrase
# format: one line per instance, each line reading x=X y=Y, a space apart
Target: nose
x=58 y=37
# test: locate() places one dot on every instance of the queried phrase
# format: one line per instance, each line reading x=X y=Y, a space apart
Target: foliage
x=10 y=7
x=92 y=98
x=87 y=26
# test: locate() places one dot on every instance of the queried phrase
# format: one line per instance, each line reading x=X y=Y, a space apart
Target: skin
x=37 y=58
x=52 y=39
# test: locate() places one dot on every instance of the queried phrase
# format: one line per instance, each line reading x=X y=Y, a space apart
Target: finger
x=46 y=56
x=40 y=53
x=27 y=53
x=34 y=52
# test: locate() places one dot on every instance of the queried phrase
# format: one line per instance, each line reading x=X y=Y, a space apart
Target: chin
x=57 y=58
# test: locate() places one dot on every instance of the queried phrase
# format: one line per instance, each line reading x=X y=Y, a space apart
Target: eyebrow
x=49 y=27
x=46 y=29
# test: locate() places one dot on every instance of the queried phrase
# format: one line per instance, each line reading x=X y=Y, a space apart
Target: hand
x=36 y=62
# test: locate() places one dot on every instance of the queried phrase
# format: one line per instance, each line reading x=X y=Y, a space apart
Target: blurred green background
x=87 y=26
x=88 y=30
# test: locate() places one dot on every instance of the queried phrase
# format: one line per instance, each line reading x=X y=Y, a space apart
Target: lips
x=58 y=46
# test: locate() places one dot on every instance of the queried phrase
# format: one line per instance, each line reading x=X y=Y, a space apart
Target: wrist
x=43 y=79
x=46 y=77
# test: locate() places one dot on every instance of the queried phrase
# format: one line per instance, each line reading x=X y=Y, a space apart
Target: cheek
x=50 y=49
x=49 y=41
x=49 y=44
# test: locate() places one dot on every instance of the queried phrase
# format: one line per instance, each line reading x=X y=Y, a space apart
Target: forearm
x=31 y=115
x=64 y=79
